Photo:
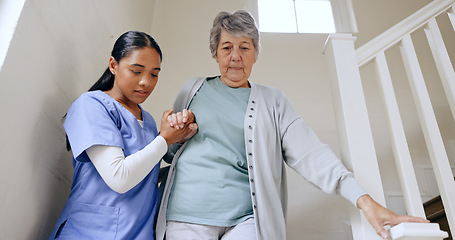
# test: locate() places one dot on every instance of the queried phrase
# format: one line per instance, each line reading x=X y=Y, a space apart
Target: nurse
x=117 y=149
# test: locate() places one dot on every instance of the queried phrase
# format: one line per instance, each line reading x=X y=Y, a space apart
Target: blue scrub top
x=93 y=210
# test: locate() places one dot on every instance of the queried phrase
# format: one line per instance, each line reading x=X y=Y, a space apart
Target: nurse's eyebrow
x=142 y=66
x=138 y=65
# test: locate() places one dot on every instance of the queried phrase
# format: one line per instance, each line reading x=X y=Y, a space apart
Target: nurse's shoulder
x=93 y=103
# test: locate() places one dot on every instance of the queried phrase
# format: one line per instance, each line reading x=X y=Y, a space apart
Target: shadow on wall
x=53 y=163
x=53 y=167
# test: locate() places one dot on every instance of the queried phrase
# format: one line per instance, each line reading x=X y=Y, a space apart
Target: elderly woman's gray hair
x=240 y=23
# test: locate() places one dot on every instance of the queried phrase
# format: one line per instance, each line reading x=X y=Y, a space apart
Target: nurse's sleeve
x=92 y=121
x=120 y=173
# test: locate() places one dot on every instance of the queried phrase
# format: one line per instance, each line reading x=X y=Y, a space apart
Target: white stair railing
x=353 y=124
x=357 y=147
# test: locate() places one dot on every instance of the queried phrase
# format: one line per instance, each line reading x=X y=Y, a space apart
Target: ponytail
x=105 y=82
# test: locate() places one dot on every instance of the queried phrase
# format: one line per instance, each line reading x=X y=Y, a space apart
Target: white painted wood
x=451 y=14
x=435 y=145
x=408 y=180
x=442 y=60
x=354 y=131
x=417 y=231
x=391 y=37
x=344 y=17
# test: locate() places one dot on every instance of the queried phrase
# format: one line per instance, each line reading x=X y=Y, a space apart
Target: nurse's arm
x=122 y=173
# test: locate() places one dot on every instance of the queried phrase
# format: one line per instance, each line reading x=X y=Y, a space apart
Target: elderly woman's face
x=235 y=57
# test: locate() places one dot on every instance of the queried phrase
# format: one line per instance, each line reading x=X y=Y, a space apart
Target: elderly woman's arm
x=379 y=216
x=318 y=164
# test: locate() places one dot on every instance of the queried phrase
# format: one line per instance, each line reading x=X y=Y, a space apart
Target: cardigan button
x=252 y=109
x=253 y=101
x=250 y=154
x=251 y=167
x=250 y=116
x=251 y=180
x=253 y=193
x=250 y=141
x=250 y=127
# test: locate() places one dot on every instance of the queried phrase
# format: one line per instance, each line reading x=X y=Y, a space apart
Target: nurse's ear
x=113 y=65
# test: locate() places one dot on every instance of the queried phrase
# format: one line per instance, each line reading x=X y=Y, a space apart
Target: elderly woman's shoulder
x=269 y=90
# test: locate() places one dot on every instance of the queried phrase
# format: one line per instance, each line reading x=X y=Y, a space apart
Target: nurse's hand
x=173 y=134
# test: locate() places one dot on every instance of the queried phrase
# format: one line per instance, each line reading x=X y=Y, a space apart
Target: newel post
x=354 y=131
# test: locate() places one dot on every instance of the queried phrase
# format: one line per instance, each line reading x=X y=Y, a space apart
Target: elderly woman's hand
x=180 y=119
x=177 y=134
x=379 y=216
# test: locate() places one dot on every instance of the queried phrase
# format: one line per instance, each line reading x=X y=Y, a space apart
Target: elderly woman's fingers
x=180 y=122
x=174 y=121
x=379 y=216
x=190 y=116
x=380 y=230
x=169 y=120
x=184 y=115
x=181 y=119
x=392 y=219
x=404 y=218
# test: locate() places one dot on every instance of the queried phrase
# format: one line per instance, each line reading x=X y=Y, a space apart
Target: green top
x=211 y=184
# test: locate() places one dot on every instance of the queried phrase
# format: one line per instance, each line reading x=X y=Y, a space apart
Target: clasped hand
x=178 y=127
x=379 y=216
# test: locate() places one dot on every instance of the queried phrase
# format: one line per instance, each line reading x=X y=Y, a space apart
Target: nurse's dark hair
x=123 y=47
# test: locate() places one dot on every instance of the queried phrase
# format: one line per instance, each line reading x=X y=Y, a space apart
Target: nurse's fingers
x=190 y=116
x=193 y=127
x=167 y=113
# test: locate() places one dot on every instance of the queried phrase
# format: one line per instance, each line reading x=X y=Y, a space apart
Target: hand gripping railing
x=354 y=128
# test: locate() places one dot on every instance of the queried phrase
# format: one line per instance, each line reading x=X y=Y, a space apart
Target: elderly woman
x=229 y=180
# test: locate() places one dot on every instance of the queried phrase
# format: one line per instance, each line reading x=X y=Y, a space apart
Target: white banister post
x=451 y=14
x=403 y=160
x=435 y=145
x=442 y=60
x=356 y=140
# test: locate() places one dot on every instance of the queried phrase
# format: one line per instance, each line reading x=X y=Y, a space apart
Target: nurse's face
x=235 y=57
x=136 y=76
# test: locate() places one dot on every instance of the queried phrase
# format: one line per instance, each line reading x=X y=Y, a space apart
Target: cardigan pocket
x=88 y=221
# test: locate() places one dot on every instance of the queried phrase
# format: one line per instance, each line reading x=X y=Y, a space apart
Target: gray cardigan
x=274 y=134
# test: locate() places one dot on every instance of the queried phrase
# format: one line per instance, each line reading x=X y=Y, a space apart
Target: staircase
x=434 y=210
x=354 y=128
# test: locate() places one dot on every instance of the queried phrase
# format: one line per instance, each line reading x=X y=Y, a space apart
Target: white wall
x=58 y=50
x=61 y=47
